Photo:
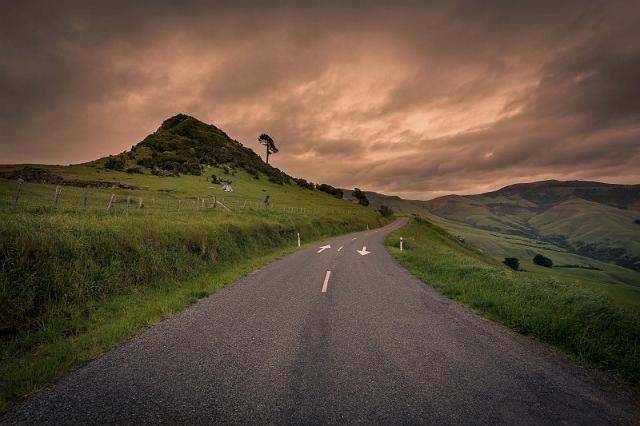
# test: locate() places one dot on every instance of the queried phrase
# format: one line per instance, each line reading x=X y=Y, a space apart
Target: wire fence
x=63 y=198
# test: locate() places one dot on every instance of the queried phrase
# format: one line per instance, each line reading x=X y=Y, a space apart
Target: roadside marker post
x=298 y=239
x=401 y=244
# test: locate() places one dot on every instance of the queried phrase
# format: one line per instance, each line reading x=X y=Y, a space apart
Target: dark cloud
x=413 y=98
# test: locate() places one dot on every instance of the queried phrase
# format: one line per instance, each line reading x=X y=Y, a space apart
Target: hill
x=593 y=219
x=92 y=253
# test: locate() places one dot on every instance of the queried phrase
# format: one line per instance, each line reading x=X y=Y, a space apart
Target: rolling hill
x=591 y=219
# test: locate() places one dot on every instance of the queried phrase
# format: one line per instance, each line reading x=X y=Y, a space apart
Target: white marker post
x=298 y=239
x=401 y=241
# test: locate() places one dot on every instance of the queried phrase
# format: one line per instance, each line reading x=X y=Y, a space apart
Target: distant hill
x=183 y=144
x=594 y=219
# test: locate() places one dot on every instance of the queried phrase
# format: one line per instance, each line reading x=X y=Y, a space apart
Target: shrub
x=385 y=211
x=512 y=262
x=542 y=261
x=134 y=170
x=361 y=197
x=116 y=162
x=302 y=183
x=336 y=192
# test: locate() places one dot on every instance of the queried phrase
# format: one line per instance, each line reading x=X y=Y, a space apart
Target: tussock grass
x=586 y=324
x=73 y=285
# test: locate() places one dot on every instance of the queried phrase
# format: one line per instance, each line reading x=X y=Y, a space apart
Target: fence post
x=140 y=203
x=298 y=239
x=128 y=201
x=112 y=201
x=401 y=244
x=16 y=196
x=56 y=196
x=85 y=200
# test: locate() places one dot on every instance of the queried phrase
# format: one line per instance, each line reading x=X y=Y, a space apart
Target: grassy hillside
x=617 y=282
x=595 y=220
x=587 y=324
x=76 y=279
x=589 y=218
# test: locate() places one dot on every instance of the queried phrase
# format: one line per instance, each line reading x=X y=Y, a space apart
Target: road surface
x=364 y=343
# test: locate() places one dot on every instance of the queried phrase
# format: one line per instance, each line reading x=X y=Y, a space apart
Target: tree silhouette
x=266 y=140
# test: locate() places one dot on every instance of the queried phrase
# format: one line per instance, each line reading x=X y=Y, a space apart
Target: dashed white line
x=326 y=281
x=354 y=238
x=340 y=248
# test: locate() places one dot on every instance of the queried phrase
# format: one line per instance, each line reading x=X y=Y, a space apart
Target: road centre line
x=354 y=238
x=326 y=281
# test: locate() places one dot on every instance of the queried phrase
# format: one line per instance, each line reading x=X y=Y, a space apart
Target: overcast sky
x=417 y=99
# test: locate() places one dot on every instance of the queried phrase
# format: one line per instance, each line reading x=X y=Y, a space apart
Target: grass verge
x=587 y=325
x=75 y=286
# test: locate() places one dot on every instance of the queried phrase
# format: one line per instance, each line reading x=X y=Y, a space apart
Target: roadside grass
x=585 y=323
x=75 y=284
x=60 y=346
x=621 y=284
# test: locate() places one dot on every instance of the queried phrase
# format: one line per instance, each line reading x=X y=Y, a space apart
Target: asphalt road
x=378 y=346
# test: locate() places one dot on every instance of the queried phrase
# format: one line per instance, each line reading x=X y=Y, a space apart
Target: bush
x=336 y=192
x=542 y=261
x=302 y=183
x=512 y=262
x=385 y=211
x=116 y=162
x=361 y=197
x=134 y=170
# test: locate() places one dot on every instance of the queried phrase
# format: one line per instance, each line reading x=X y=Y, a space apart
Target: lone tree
x=266 y=140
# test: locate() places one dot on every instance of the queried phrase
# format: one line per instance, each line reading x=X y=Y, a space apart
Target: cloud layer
x=412 y=99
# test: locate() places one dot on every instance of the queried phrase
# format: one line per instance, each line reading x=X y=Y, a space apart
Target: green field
x=76 y=281
x=621 y=284
x=492 y=222
x=587 y=323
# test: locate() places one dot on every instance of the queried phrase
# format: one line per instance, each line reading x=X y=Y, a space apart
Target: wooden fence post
x=112 y=201
x=16 y=196
x=56 y=196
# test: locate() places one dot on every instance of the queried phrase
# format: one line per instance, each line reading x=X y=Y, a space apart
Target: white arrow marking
x=364 y=251
x=340 y=248
x=326 y=281
x=323 y=248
